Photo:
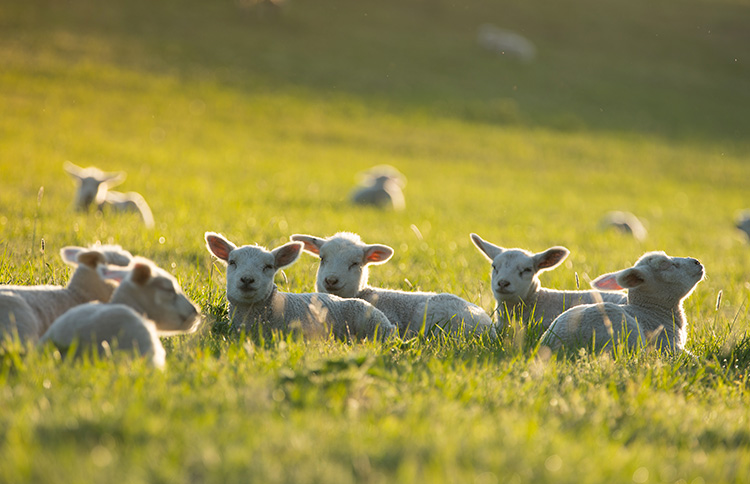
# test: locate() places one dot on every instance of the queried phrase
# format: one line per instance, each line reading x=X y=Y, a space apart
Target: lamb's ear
x=286 y=254
x=114 y=273
x=91 y=258
x=73 y=170
x=489 y=250
x=550 y=258
x=616 y=281
x=141 y=273
x=70 y=254
x=113 y=179
x=312 y=244
x=218 y=245
x=377 y=254
x=630 y=278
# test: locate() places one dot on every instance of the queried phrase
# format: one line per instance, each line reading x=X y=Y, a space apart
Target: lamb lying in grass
x=657 y=284
x=94 y=188
x=518 y=292
x=382 y=187
x=343 y=271
x=625 y=222
x=147 y=303
x=255 y=302
x=29 y=310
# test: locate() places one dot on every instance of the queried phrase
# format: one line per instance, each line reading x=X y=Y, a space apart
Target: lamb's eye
x=268 y=267
x=233 y=263
x=525 y=271
x=353 y=265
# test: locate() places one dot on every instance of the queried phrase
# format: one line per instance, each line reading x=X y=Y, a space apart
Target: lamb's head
x=93 y=184
x=655 y=279
x=250 y=269
x=90 y=265
x=344 y=261
x=156 y=294
x=515 y=271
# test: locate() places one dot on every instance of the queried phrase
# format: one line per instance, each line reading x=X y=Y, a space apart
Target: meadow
x=256 y=126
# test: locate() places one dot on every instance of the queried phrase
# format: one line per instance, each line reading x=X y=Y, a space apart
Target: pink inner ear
x=607 y=282
x=377 y=254
x=218 y=247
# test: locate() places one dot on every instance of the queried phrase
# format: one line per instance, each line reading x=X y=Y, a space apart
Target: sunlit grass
x=257 y=128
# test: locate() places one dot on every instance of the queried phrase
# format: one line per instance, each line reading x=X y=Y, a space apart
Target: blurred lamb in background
x=742 y=222
x=625 y=222
x=506 y=42
x=93 y=188
x=382 y=186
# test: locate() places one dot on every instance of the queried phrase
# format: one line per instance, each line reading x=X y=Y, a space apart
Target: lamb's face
x=514 y=271
x=89 y=192
x=250 y=273
x=168 y=306
x=513 y=276
x=658 y=276
x=343 y=268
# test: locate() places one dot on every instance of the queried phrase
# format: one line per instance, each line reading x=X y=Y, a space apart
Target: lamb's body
x=544 y=305
x=311 y=315
x=343 y=271
x=382 y=188
x=256 y=303
x=148 y=303
x=506 y=42
x=657 y=285
x=626 y=223
x=518 y=291
x=30 y=310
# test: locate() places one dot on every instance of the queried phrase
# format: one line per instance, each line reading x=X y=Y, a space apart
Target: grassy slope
x=257 y=129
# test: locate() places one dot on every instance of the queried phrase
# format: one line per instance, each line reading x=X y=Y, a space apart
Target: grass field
x=256 y=127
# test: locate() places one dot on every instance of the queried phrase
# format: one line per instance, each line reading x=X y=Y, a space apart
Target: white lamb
x=29 y=310
x=657 y=284
x=518 y=291
x=742 y=222
x=255 y=302
x=626 y=223
x=506 y=42
x=382 y=187
x=93 y=188
x=147 y=303
x=343 y=271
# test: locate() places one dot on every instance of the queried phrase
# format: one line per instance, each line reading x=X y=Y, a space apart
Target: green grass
x=257 y=127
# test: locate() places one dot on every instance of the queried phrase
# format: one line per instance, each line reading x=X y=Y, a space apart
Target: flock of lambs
x=115 y=301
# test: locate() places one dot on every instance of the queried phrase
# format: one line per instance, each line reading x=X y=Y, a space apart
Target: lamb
x=382 y=187
x=626 y=223
x=29 y=310
x=742 y=222
x=147 y=303
x=343 y=271
x=94 y=188
x=518 y=291
x=256 y=303
x=506 y=42
x=657 y=285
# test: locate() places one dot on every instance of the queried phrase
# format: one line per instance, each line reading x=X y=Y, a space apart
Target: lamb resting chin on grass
x=657 y=285
x=256 y=303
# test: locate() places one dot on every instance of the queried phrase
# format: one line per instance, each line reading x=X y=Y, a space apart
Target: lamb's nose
x=247 y=280
x=331 y=281
x=503 y=284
